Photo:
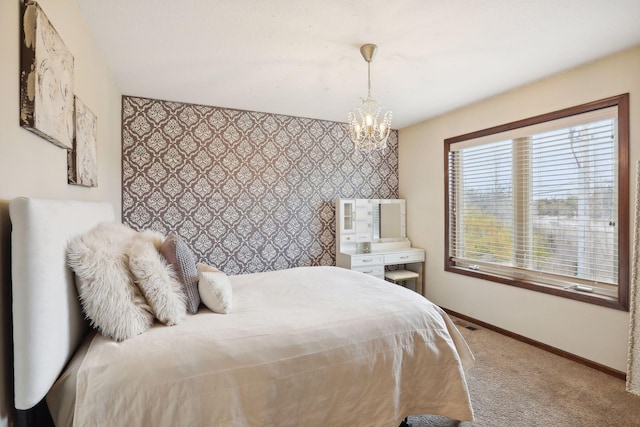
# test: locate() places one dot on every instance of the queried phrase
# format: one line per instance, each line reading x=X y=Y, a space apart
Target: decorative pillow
x=108 y=294
x=176 y=251
x=156 y=279
x=215 y=289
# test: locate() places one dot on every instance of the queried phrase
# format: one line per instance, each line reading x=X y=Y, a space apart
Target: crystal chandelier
x=369 y=124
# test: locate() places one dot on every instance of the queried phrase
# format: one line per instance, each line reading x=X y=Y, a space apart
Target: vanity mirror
x=388 y=220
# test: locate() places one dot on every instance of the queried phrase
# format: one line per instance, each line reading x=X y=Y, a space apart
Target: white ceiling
x=301 y=57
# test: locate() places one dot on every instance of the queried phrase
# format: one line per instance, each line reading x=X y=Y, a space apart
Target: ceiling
x=301 y=57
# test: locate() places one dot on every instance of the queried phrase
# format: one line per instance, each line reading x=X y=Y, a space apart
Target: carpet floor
x=514 y=384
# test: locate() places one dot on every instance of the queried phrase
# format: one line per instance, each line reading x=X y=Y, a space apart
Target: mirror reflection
x=388 y=220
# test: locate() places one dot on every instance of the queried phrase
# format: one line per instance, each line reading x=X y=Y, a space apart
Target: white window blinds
x=539 y=203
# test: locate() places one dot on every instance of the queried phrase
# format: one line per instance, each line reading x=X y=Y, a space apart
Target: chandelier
x=369 y=124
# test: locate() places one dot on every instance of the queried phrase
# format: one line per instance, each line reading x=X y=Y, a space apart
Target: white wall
x=592 y=332
x=31 y=166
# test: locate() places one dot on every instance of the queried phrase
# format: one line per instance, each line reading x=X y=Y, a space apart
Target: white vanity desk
x=371 y=234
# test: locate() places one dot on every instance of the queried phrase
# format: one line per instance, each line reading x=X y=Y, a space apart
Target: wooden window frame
x=621 y=302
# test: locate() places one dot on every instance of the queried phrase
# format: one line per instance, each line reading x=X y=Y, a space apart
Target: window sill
x=590 y=298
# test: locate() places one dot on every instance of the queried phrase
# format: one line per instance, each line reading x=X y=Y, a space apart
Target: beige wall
x=595 y=333
x=31 y=166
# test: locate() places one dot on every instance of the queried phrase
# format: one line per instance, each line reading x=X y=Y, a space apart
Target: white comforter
x=309 y=346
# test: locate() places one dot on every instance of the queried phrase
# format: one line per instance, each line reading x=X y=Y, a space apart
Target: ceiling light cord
x=369 y=79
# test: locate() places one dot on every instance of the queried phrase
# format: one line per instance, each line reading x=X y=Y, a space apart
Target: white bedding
x=309 y=346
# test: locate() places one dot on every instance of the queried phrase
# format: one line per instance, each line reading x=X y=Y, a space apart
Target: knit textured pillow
x=178 y=254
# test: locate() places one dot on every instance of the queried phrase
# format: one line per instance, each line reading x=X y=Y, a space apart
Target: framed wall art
x=46 y=79
x=82 y=165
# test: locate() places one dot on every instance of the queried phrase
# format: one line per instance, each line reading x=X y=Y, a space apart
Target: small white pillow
x=215 y=289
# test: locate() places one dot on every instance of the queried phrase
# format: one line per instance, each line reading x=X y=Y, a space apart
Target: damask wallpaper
x=248 y=191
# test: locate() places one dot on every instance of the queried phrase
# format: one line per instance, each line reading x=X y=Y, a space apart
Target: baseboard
x=581 y=360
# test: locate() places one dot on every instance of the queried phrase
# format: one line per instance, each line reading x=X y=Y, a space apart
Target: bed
x=312 y=346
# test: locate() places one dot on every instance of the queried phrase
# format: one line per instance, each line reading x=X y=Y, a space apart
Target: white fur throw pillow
x=156 y=278
x=108 y=294
x=215 y=289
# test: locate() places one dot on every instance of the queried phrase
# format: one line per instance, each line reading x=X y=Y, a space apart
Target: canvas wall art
x=46 y=79
x=82 y=159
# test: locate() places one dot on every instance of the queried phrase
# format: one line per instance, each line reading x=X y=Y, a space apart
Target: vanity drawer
x=363 y=237
x=375 y=270
x=348 y=238
x=404 y=257
x=355 y=238
x=366 y=261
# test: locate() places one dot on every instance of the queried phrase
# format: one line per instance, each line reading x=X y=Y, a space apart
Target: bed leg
x=38 y=416
x=405 y=423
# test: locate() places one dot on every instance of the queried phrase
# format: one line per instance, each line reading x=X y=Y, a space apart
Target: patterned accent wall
x=248 y=191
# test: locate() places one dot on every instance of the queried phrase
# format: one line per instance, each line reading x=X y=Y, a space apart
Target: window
x=543 y=203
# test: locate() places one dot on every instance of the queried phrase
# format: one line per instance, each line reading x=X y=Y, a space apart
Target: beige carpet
x=515 y=384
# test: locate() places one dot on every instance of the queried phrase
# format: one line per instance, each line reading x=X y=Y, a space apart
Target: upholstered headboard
x=47 y=318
